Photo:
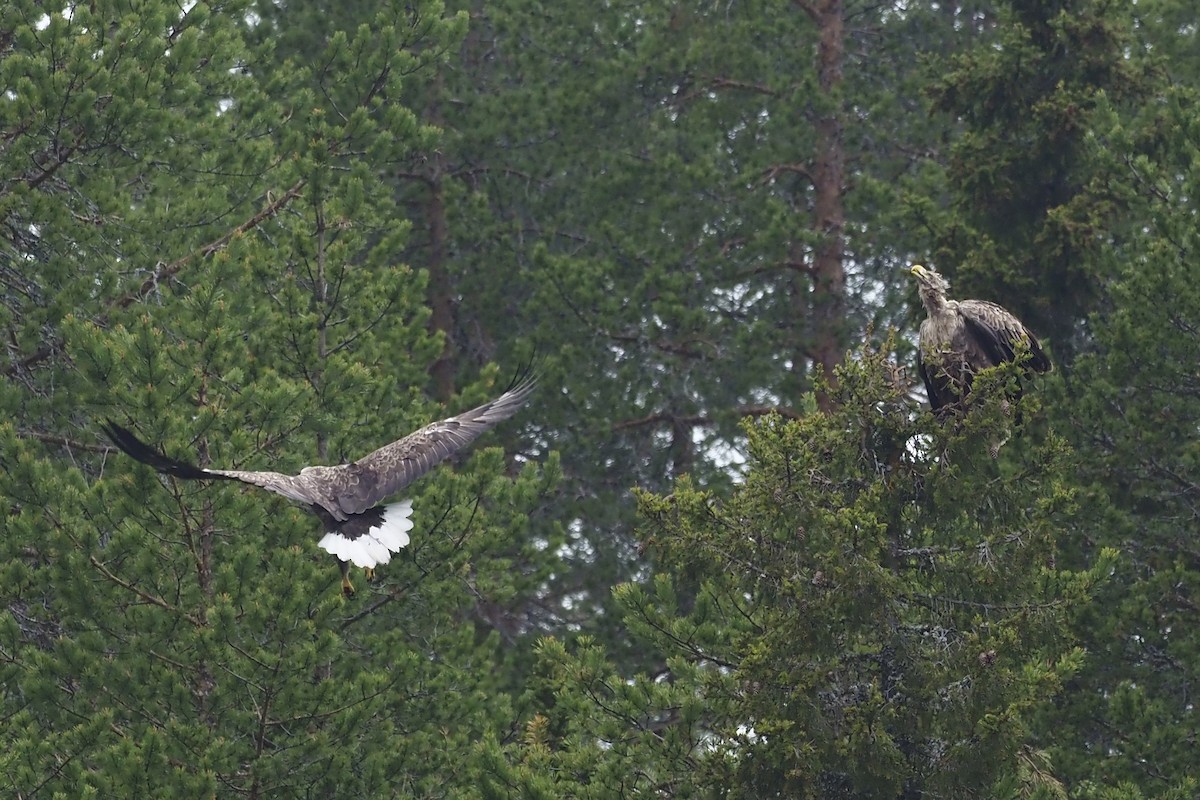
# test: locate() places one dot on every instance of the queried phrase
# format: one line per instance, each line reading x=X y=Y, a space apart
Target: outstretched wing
x=395 y=465
x=285 y=485
x=1001 y=335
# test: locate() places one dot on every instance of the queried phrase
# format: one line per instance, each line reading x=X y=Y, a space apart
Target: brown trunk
x=441 y=304
x=829 y=172
x=203 y=536
x=321 y=288
x=441 y=301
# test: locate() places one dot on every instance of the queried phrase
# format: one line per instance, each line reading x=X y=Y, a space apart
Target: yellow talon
x=347 y=586
x=369 y=572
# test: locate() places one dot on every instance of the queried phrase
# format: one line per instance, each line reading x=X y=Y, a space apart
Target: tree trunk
x=441 y=300
x=828 y=272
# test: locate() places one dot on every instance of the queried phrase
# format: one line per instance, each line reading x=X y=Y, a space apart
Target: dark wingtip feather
x=135 y=448
x=520 y=386
x=1038 y=360
x=525 y=377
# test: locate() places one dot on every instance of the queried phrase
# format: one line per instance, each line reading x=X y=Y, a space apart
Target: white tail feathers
x=375 y=545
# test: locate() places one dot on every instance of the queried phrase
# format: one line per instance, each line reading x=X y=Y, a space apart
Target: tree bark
x=829 y=178
x=441 y=300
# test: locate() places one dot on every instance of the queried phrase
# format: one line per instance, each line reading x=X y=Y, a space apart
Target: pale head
x=931 y=285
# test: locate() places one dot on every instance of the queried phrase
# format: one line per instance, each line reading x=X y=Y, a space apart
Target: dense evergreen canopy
x=728 y=555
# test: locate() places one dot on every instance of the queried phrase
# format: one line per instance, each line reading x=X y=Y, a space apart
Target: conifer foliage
x=876 y=612
x=277 y=232
x=197 y=243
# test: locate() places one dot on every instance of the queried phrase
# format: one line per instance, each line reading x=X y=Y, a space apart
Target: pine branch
x=41 y=354
x=75 y=444
x=149 y=598
x=169 y=270
x=703 y=419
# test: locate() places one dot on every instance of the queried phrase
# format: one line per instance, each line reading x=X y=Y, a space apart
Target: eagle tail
x=370 y=538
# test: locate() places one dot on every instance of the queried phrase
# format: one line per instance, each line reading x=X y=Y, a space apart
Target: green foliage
x=211 y=255
x=268 y=233
x=636 y=192
x=876 y=611
x=1029 y=207
x=1134 y=418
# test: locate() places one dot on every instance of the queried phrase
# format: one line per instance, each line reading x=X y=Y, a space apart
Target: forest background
x=724 y=551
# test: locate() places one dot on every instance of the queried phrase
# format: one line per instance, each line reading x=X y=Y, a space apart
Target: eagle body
x=358 y=528
x=959 y=338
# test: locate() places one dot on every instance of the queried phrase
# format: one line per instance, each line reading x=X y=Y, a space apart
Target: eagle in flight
x=346 y=498
x=962 y=337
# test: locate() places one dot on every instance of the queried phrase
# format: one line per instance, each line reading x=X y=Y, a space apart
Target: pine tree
x=1072 y=206
x=876 y=612
x=682 y=206
x=1027 y=206
x=204 y=250
x=1133 y=413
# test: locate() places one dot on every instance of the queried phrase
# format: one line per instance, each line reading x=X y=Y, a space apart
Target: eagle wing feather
x=1001 y=334
x=396 y=465
x=350 y=489
x=276 y=482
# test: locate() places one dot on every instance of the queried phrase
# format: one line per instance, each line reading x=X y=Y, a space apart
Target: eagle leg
x=369 y=572
x=347 y=586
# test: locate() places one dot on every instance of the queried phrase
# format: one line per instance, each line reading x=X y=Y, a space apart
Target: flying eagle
x=346 y=498
x=962 y=337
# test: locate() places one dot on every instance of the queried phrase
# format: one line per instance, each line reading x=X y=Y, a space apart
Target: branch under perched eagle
x=962 y=337
x=346 y=497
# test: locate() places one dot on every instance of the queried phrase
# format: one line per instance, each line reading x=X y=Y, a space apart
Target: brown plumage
x=962 y=337
x=345 y=497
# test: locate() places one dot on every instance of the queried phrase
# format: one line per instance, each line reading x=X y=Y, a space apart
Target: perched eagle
x=962 y=337
x=346 y=497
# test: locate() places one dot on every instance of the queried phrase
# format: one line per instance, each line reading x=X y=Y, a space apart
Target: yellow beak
x=919 y=271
